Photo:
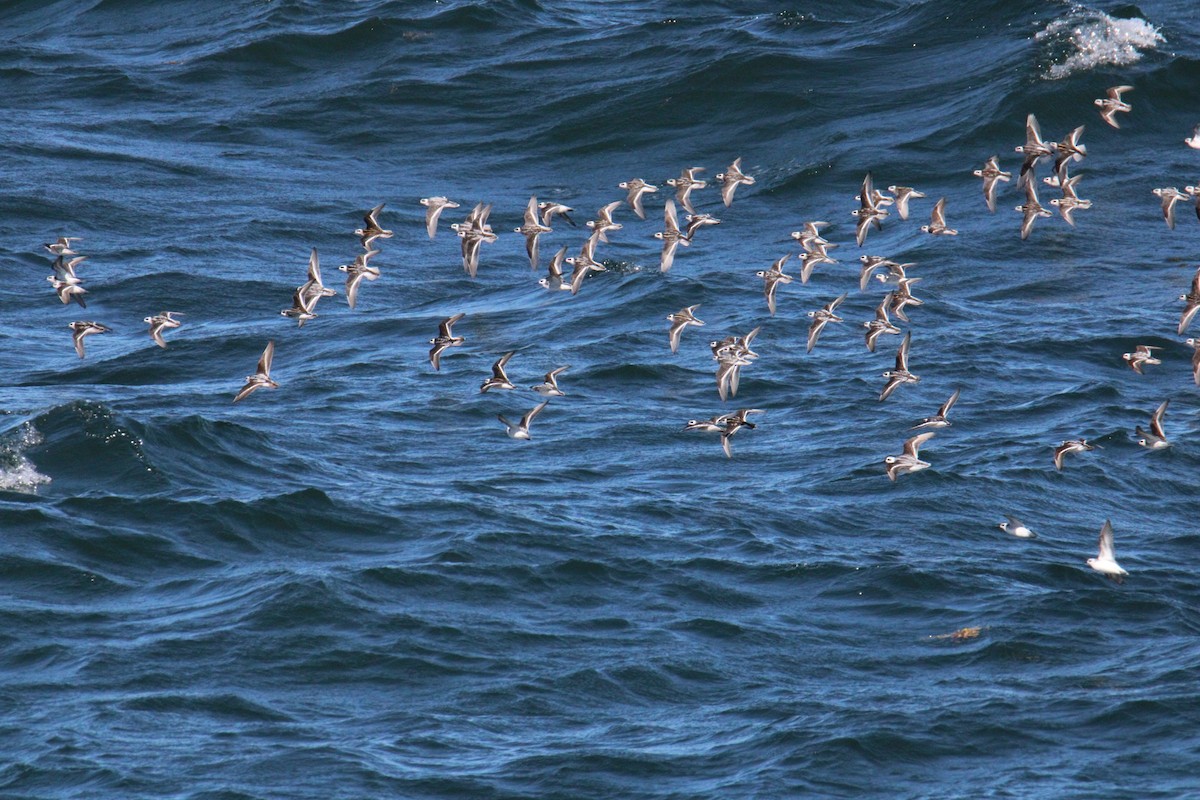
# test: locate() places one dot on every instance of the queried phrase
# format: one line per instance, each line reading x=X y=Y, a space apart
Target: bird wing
x=447 y=324
x=914 y=444
x=498 y=367
x=938 y=216
x=1106 y=550
x=1156 y=420
x=902 y=353
x=1033 y=132
x=946 y=406
x=556 y=263
x=533 y=412
x=814 y=331
x=670 y=217
x=264 y=361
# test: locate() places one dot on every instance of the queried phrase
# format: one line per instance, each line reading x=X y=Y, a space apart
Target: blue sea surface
x=357 y=586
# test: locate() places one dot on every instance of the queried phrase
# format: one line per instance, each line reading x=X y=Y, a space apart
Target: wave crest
x=1087 y=38
x=17 y=473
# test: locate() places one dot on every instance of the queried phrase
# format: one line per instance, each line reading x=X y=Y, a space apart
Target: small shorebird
x=772 y=278
x=69 y=290
x=370 y=231
x=903 y=296
x=549 y=385
x=160 y=322
x=356 y=272
x=1155 y=438
x=903 y=194
x=680 y=320
x=434 y=206
x=1169 y=197
x=62 y=247
x=939 y=420
x=549 y=210
x=697 y=221
x=444 y=339
x=909 y=460
x=900 y=374
x=731 y=178
x=1017 y=528
x=554 y=278
x=1109 y=106
x=881 y=324
x=1032 y=209
x=604 y=221
x=1070 y=201
x=1141 y=355
x=821 y=317
x=684 y=184
x=582 y=264
x=521 y=429
x=1033 y=149
x=671 y=236
x=1069 y=149
x=937 y=221
x=499 y=379
x=872 y=263
x=261 y=376
x=82 y=329
x=314 y=289
x=302 y=307
x=531 y=230
x=474 y=231
x=734 y=423
x=1105 y=561
x=634 y=190
x=869 y=212
x=1068 y=447
x=991 y=174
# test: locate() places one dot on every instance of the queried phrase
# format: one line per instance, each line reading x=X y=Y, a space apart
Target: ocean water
x=357 y=586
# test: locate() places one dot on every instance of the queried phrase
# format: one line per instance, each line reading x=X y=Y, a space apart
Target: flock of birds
x=731 y=353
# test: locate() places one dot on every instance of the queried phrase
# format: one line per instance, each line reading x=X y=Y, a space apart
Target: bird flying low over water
x=444 y=339
x=434 y=206
x=261 y=376
x=1109 y=106
x=730 y=179
x=899 y=375
x=521 y=429
x=992 y=175
x=1017 y=528
x=909 y=460
x=1156 y=437
x=85 y=328
x=160 y=322
x=680 y=320
x=371 y=230
x=634 y=189
x=1068 y=447
x=1105 y=561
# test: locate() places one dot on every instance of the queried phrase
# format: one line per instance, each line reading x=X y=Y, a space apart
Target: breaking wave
x=1087 y=38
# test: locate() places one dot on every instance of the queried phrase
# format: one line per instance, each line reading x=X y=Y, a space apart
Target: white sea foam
x=17 y=473
x=1087 y=38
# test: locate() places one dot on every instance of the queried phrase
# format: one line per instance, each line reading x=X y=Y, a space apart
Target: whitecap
x=1088 y=38
x=17 y=473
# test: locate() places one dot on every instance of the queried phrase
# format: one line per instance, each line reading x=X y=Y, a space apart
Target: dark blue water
x=357 y=586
